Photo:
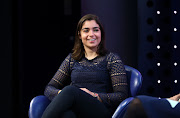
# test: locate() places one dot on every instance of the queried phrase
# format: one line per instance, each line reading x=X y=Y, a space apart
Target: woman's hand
x=176 y=97
x=87 y=91
x=91 y=93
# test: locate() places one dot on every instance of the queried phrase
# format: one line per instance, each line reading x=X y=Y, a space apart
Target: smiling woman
x=91 y=37
x=89 y=28
x=91 y=82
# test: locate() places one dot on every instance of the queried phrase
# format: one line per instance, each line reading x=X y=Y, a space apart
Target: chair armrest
x=37 y=106
x=122 y=108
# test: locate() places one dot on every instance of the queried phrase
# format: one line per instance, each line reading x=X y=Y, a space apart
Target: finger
x=83 y=89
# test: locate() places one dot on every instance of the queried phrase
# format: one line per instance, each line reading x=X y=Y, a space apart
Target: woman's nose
x=91 y=33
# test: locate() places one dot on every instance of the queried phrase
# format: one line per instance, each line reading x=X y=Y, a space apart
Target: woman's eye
x=85 y=30
x=96 y=30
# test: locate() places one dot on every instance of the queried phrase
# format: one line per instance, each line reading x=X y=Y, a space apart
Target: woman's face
x=90 y=34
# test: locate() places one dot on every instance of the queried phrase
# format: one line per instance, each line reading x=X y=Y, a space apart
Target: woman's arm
x=119 y=82
x=59 y=80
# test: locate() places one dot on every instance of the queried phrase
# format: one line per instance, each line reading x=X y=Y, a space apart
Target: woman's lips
x=91 y=39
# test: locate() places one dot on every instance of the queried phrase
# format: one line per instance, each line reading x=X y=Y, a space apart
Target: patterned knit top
x=104 y=75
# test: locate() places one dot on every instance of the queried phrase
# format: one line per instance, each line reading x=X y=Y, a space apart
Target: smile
x=91 y=39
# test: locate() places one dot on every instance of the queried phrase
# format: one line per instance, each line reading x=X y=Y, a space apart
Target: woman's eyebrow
x=96 y=28
x=84 y=28
x=89 y=28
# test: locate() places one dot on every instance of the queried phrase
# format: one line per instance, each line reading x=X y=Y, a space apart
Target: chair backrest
x=134 y=80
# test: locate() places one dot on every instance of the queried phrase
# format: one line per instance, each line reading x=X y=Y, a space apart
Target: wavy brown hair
x=78 y=49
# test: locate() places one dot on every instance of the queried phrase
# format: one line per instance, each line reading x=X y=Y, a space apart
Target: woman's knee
x=69 y=114
x=70 y=90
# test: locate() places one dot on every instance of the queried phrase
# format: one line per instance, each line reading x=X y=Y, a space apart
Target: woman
x=91 y=82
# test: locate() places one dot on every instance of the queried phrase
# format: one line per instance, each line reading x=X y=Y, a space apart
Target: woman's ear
x=79 y=34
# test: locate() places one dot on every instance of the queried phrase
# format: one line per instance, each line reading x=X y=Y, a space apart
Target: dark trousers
x=75 y=103
x=151 y=107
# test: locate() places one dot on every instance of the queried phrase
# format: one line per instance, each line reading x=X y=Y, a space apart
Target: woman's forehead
x=90 y=24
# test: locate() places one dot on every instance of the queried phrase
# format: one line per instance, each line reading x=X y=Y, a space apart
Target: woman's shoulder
x=113 y=56
x=69 y=57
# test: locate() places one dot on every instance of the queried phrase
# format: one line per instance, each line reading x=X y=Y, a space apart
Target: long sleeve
x=60 y=79
x=119 y=82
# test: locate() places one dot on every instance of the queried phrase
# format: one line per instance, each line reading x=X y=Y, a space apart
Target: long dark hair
x=78 y=49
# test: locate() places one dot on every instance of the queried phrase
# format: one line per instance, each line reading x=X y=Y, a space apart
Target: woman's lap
x=81 y=103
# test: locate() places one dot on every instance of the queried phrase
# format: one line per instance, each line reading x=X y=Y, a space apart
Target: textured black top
x=104 y=75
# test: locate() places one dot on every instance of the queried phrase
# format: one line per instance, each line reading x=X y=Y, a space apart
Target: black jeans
x=75 y=103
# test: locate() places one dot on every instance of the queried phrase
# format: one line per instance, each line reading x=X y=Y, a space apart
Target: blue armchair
x=135 y=83
x=39 y=103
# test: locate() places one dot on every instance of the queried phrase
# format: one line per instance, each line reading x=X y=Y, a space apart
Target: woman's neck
x=90 y=54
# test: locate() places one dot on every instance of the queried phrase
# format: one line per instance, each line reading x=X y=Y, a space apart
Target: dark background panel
x=157 y=58
x=6 y=58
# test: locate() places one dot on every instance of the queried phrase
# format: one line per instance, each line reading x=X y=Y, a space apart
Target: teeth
x=92 y=39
